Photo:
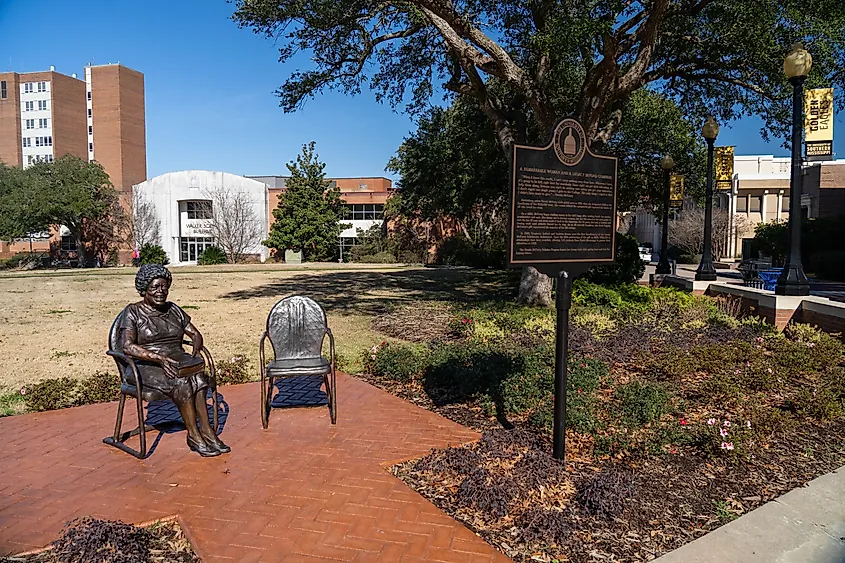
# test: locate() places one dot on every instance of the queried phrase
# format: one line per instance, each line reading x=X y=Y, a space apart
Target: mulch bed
x=422 y=322
x=91 y=540
x=509 y=490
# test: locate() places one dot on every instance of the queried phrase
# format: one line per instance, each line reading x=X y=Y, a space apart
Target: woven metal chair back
x=296 y=327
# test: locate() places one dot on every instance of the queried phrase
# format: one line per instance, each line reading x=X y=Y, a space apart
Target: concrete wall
x=168 y=193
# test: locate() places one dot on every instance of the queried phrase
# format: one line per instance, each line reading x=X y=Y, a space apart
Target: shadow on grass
x=370 y=293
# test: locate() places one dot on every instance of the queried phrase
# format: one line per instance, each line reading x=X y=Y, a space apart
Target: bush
x=688 y=258
x=829 y=265
x=378 y=258
x=51 y=394
x=456 y=250
x=641 y=403
x=627 y=268
x=233 y=371
x=101 y=387
x=583 y=379
x=24 y=260
x=152 y=254
x=397 y=362
x=211 y=256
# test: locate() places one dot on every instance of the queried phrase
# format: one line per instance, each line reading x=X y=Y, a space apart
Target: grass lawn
x=55 y=324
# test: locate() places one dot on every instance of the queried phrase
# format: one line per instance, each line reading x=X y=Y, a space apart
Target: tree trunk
x=535 y=288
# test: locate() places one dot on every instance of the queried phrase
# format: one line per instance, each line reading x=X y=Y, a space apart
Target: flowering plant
x=233 y=371
x=727 y=437
x=462 y=327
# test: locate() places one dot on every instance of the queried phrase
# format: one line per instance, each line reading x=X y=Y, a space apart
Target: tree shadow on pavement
x=371 y=293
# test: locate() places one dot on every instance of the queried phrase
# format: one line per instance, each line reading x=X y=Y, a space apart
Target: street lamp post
x=792 y=280
x=706 y=271
x=667 y=164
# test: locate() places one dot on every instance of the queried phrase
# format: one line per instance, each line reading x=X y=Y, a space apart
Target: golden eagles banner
x=676 y=191
x=818 y=123
x=723 y=162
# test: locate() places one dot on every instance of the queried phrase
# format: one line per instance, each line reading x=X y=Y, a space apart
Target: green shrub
x=24 y=260
x=211 y=256
x=641 y=403
x=396 y=362
x=51 y=394
x=456 y=250
x=590 y=294
x=688 y=258
x=819 y=403
x=101 y=387
x=627 y=268
x=152 y=254
x=829 y=265
x=377 y=258
x=583 y=379
x=233 y=371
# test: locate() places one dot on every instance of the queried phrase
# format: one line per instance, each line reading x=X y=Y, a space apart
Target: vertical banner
x=676 y=191
x=818 y=124
x=724 y=164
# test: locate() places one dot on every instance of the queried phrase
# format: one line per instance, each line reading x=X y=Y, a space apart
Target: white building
x=184 y=202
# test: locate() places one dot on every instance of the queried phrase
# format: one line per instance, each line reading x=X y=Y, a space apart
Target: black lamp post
x=792 y=280
x=663 y=267
x=706 y=271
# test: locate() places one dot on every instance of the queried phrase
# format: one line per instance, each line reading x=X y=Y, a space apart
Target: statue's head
x=153 y=283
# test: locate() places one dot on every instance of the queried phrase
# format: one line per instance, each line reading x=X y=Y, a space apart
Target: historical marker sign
x=563 y=203
x=563 y=220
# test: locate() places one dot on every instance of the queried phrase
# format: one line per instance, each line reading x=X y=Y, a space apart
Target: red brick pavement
x=303 y=490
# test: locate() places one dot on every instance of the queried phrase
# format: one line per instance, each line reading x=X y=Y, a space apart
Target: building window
x=199 y=210
x=89 y=112
x=42 y=86
x=346 y=244
x=68 y=243
x=47 y=158
x=27 y=88
x=191 y=247
x=44 y=141
x=29 y=159
x=785 y=205
x=365 y=212
x=756 y=203
x=43 y=123
x=90 y=147
x=89 y=94
x=42 y=105
x=2 y=89
x=29 y=106
x=90 y=129
x=30 y=124
x=27 y=142
x=741 y=204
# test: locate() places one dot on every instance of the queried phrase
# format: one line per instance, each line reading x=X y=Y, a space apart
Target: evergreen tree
x=309 y=211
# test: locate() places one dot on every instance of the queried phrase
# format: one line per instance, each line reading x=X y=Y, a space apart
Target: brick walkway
x=300 y=491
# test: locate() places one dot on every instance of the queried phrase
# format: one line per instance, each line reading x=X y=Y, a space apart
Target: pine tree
x=309 y=211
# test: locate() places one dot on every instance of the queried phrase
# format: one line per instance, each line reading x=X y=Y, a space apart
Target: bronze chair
x=296 y=328
x=116 y=351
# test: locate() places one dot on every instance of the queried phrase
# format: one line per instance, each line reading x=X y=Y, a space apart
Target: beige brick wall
x=11 y=152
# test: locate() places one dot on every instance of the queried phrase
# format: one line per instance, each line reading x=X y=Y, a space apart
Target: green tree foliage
x=70 y=192
x=309 y=212
x=152 y=254
x=558 y=58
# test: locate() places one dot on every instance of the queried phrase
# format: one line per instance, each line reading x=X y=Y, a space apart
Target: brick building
x=46 y=115
x=183 y=201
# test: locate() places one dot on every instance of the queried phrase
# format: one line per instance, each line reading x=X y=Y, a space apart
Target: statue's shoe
x=203 y=449
x=218 y=444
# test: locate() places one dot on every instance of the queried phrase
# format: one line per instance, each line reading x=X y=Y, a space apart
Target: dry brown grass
x=56 y=324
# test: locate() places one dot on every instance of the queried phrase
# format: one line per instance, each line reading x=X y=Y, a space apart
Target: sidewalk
x=803 y=526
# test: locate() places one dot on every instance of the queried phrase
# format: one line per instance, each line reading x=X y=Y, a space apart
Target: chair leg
x=215 y=406
x=332 y=396
x=264 y=398
x=119 y=420
x=141 y=425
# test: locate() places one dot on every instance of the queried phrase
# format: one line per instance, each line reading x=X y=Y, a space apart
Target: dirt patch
x=423 y=323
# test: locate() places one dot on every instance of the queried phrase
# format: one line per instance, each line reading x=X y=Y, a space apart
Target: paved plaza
x=303 y=490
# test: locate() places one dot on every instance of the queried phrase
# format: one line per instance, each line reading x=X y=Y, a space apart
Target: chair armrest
x=331 y=345
x=130 y=361
x=261 y=364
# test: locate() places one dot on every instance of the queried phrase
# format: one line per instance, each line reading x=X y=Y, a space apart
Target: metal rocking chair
x=296 y=328
x=141 y=394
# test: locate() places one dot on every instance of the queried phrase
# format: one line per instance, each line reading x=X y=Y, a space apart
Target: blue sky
x=210 y=87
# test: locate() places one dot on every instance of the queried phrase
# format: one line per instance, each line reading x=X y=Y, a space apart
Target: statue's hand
x=197 y=345
x=171 y=367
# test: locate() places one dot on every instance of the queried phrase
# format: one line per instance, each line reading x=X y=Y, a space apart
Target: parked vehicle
x=645 y=253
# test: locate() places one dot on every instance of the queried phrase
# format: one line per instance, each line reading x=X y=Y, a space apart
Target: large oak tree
x=557 y=57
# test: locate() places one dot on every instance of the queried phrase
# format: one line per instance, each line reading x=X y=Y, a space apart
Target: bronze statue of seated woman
x=152 y=332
